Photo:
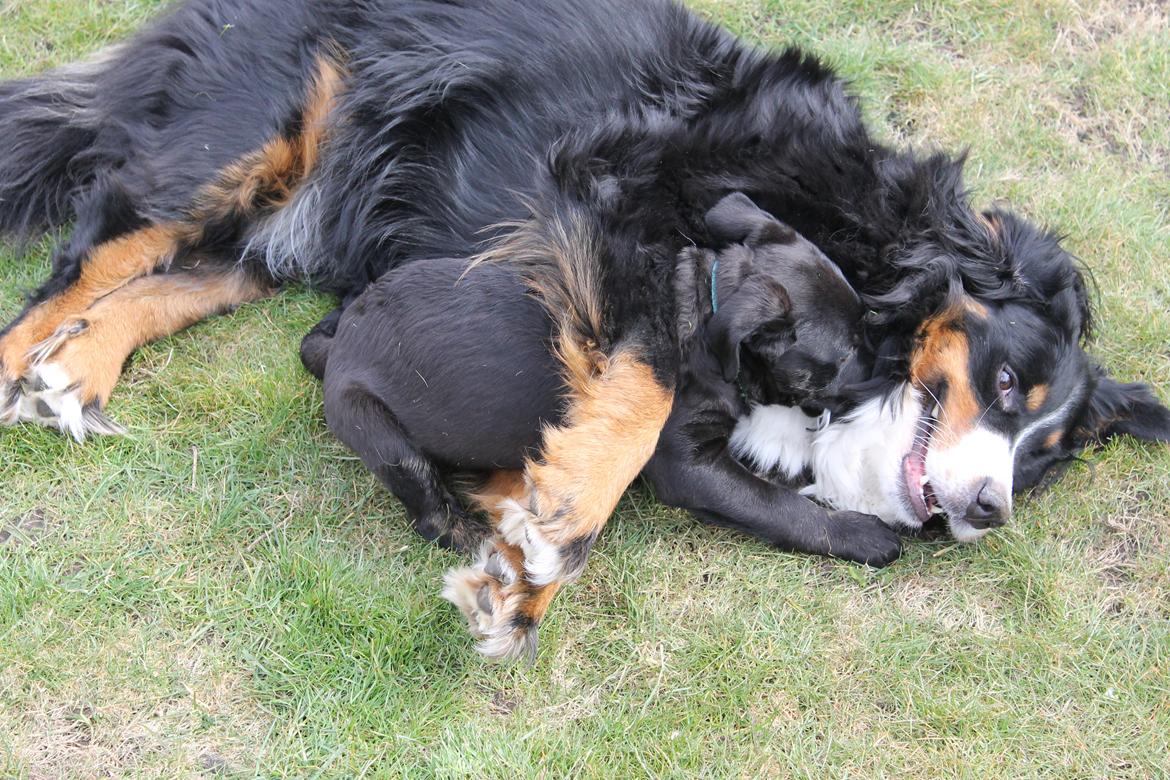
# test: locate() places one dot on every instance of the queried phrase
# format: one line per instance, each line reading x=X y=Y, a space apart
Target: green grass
x=226 y=591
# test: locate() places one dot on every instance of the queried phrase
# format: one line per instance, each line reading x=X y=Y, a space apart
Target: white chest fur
x=855 y=459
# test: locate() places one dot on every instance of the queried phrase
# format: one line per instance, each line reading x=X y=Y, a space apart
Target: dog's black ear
x=736 y=219
x=1125 y=408
x=760 y=304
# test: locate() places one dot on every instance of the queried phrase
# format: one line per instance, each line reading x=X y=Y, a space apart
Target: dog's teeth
x=936 y=411
x=936 y=510
x=922 y=481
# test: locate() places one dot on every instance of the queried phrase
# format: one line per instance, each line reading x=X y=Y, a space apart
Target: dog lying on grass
x=233 y=146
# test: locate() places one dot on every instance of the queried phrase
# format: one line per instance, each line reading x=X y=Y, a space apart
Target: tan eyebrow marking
x=1036 y=397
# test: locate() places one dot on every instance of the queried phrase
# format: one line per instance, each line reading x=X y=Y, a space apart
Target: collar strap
x=714 y=308
x=714 y=291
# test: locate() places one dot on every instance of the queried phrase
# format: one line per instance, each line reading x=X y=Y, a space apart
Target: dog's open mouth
x=918 y=490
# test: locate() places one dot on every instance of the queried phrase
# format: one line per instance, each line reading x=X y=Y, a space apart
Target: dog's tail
x=315 y=345
x=48 y=132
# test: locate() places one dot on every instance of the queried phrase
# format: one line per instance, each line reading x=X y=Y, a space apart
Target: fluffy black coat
x=445 y=135
x=461 y=125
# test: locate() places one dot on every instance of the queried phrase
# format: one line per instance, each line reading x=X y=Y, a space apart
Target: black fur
x=460 y=120
x=804 y=357
x=454 y=367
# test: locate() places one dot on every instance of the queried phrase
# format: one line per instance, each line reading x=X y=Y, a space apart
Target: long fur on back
x=441 y=137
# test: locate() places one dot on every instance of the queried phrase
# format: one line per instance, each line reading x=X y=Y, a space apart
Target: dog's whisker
x=985 y=411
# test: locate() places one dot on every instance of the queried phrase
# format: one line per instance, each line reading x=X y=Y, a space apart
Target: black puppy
x=438 y=368
x=775 y=304
x=782 y=327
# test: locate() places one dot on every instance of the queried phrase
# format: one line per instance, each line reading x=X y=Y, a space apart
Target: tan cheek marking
x=1036 y=397
x=942 y=356
x=1053 y=439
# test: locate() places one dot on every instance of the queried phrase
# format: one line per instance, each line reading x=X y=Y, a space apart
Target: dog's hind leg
x=547 y=527
x=112 y=247
x=315 y=345
x=105 y=269
x=363 y=423
x=75 y=369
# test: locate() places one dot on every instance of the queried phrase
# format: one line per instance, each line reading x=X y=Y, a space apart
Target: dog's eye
x=1006 y=383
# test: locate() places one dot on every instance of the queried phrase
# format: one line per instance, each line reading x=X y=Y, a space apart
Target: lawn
x=225 y=591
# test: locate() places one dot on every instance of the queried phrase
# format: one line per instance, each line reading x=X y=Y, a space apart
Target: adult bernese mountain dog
x=237 y=144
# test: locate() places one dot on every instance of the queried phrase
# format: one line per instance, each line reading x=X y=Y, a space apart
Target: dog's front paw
x=863 y=538
x=11 y=396
x=489 y=594
x=52 y=397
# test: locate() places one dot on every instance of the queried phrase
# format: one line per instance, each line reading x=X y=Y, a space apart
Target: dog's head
x=981 y=397
x=1003 y=389
x=786 y=321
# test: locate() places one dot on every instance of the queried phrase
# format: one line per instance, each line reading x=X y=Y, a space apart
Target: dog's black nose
x=990 y=508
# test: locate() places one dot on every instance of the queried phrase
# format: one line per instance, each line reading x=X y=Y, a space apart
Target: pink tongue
x=914 y=468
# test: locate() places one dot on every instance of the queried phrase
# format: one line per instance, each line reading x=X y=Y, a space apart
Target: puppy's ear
x=737 y=220
x=688 y=269
x=1128 y=408
x=759 y=304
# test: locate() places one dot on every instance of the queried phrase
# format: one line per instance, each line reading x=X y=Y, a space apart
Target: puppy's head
x=785 y=320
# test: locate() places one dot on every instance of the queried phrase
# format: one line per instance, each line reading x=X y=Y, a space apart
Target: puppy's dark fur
x=786 y=331
x=407 y=377
x=434 y=370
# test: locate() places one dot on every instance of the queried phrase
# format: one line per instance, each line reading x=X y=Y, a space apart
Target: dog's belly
x=462 y=361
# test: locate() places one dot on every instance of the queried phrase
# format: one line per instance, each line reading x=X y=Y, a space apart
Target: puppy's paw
x=489 y=596
x=863 y=538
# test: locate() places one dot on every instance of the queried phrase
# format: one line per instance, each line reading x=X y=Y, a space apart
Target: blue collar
x=714 y=292
x=714 y=308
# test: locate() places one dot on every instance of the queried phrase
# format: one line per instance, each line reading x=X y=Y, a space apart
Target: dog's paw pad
x=483 y=599
x=470 y=589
